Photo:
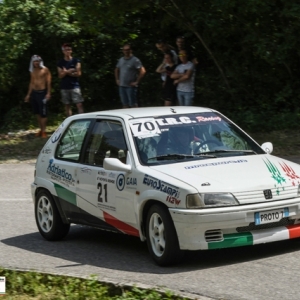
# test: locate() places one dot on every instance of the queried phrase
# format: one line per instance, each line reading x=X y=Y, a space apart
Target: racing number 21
x=99 y=187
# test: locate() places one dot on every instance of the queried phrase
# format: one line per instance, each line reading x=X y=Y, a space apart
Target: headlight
x=210 y=200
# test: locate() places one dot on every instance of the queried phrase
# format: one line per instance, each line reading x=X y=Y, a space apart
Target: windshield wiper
x=180 y=156
x=230 y=151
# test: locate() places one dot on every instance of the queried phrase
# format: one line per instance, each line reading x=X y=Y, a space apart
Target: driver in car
x=183 y=141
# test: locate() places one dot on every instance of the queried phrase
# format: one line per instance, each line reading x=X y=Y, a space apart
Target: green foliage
x=32 y=285
x=248 y=54
x=21 y=118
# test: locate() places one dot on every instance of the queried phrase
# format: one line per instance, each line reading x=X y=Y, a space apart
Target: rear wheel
x=48 y=219
x=162 y=238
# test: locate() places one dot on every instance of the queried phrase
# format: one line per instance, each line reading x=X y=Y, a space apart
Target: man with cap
x=39 y=91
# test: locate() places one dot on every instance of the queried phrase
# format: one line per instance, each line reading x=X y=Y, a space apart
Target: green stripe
x=65 y=194
x=233 y=240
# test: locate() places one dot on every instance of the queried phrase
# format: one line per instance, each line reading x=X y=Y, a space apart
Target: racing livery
x=183 y=178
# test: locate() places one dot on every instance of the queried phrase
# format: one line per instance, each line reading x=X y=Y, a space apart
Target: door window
x=107 y=140
x=70 y=144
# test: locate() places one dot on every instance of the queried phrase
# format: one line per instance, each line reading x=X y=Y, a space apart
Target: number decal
x=144 y=127
x=139 y=126
x=149 y=126
x=99 y=187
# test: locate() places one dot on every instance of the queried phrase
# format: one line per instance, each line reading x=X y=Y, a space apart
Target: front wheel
x=48 y=219
x=162 y=238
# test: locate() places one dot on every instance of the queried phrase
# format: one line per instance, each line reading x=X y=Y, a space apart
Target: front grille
x=215 y=235
x=252 y=226
x=278 y=193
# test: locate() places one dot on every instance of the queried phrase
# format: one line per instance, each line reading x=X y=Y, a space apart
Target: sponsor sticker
x=60 y=174
x=239 y=161
x=173 y=200
x=120 y=182
x=56 y=135
x=86 y=170
x=162 y=186
x=2 y=285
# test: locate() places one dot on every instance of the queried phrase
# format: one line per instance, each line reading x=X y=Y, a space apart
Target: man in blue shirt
x=69 y=70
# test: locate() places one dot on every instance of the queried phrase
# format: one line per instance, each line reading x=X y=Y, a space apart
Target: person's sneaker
x=44 y=135
x=39 y=133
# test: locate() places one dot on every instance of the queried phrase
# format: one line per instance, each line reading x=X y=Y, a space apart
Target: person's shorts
x=38 y=106
x=71 y=96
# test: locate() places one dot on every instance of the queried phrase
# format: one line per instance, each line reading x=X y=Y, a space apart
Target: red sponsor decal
x=290 y=173
x=173 y=200
x=206 y=119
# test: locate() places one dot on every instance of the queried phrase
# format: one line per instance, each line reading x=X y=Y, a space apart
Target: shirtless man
x=39 y=91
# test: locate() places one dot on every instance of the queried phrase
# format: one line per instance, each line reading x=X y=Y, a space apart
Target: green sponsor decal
x=233 y=240
x=276 y=175
x=65 y=194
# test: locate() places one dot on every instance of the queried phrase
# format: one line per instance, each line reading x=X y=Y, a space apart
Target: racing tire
x=48 y=219
x=162 y=240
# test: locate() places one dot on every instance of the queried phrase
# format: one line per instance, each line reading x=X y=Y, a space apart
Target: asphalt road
x=268 y=271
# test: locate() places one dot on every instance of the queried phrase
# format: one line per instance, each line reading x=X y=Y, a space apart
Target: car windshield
x=174 y=138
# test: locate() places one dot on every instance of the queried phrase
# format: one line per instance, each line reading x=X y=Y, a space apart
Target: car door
x=99 y=191
x=63 y=167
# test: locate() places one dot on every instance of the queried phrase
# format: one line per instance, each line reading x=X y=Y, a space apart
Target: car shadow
x=89 y=246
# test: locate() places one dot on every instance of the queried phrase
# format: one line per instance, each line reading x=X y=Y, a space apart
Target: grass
x=22 y=146
x=37 y=286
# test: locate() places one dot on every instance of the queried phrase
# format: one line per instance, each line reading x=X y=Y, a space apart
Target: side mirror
x=114 y=164
x=267 y=147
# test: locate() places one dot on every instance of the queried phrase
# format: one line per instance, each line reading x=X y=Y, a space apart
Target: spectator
x=164 y=47
x=128 y=73
x=184 y=75
x=39 y=92
x=69 y=70
x=181 y=45
x=169 y=89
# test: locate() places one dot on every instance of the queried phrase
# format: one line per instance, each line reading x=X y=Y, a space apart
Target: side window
x=71 y=142
x=107 y=140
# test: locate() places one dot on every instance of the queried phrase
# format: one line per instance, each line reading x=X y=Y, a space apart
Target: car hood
x=244 y=176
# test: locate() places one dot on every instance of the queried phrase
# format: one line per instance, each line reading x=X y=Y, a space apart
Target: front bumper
x=225 y=227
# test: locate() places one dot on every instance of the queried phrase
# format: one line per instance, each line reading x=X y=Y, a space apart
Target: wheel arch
x=56 y=201
x=144 y=212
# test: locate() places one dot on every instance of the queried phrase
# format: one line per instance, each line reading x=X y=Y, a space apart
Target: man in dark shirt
x=69 y=70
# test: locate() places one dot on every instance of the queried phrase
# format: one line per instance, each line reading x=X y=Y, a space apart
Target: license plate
x=270 y=216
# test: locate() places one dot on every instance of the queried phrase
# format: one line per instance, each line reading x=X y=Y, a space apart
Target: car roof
x=142 y=112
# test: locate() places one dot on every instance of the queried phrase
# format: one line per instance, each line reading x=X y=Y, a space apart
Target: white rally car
x=182 y=178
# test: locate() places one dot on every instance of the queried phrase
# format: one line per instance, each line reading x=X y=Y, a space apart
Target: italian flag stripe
x=65 y=194
x=233 y=240
x=257 y=237
x=111 y=220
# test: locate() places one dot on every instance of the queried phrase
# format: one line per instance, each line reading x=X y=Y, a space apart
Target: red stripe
x=120 y=225
x=294 y=231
